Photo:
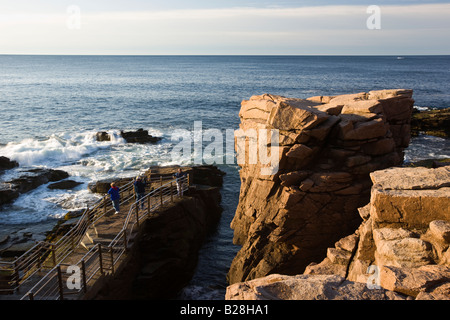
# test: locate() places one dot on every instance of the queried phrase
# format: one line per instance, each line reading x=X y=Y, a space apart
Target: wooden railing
x=43 y=264
x=45 y=255
x=66 y=280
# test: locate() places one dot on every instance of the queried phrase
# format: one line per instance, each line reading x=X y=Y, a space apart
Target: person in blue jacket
x=139 y=189
x=114 y=192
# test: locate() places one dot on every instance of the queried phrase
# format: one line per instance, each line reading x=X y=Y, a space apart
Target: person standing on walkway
x=114 y=192
x=139 y=189
x=180 y=175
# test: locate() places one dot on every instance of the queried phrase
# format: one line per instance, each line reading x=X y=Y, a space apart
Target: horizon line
x=222 y=55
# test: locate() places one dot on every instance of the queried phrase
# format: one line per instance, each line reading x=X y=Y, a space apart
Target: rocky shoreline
x=17 y=239
x=333 y=158
x=431 y=122
x=165 y=255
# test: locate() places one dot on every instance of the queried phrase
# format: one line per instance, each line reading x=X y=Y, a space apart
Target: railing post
x=30 y=296
x=39 y=261
x=104 y=205
x=100 y=258
x=83 y=273
x=16 y=275
x=112 y=259
x=53 y=254
x=88 y=215
x=148 y=204
x=171 y=191
x=125 y=240
x=137 y=214
x=150 y=179
x=60 y=283
x=160 y=190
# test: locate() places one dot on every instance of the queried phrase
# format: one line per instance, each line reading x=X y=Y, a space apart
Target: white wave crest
x=58 y=148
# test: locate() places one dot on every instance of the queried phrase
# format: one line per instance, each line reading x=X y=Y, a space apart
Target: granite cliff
x=328 y=146
x=400 y=251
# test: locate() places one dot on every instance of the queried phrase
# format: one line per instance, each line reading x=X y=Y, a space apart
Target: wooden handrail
x=122 y=234
x=75 y=233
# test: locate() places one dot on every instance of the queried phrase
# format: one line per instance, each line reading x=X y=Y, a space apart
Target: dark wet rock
x=34 y=178
x=64 y=225
x=74 y=214
x=31 y=179
x=430 y=163
x=102 y=186
x=4 y=238
x=6 y=163
x=138 y=136
x=431 y=122
x=64 y=185
x=208 y=175
x=17 y=249
x=7 y=195
x=103 y=136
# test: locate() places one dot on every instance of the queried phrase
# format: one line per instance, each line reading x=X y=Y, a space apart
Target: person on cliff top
x=114 y=192
x=180 y=175
x=139 y=189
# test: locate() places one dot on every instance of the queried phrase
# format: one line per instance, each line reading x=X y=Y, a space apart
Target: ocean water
x=52 y=106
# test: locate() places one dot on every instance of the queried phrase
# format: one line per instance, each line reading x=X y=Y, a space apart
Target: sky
x=211 y=27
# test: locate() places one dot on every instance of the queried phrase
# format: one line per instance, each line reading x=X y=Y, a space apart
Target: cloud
x=239 y=30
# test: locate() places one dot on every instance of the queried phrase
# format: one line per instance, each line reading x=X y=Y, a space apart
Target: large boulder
x=7 y=194
x=33 y=178
x=6 y=163
x=306 y=287
x=404 y=237
x=64 y=185
x=102 y=186
x=27 y=181
x=410 y=197
x=328 y=146
x=138 y=136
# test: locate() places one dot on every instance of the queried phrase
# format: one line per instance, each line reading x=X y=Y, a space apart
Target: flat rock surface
x=412 y=178
x=306 y=287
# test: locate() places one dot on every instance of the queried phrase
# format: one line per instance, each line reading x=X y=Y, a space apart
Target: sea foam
x=84 y=158
x=57 y=149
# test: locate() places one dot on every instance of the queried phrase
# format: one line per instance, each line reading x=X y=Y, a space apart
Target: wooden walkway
x=92 y=250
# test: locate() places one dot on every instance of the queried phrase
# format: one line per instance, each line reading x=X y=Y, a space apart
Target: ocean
x=52 y=106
